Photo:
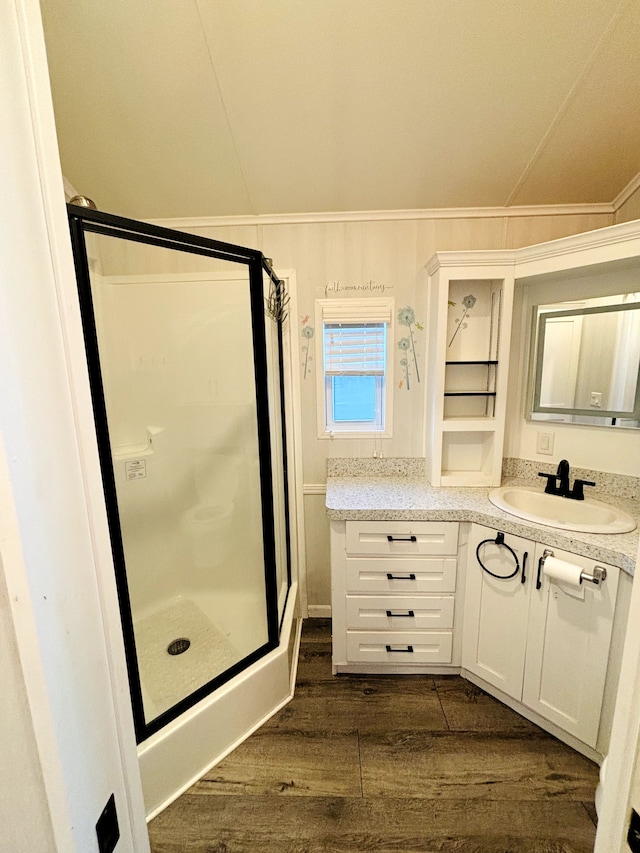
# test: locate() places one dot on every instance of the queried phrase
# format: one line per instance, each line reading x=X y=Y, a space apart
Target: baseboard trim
x=314 y=489
x=319 y=611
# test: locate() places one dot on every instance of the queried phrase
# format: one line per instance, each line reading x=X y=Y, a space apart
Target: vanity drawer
x=401 y=576
x=401 y=538
x=399 y=613
x=400 y=647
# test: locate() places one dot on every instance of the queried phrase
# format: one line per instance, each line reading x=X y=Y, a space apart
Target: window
x=354 y=343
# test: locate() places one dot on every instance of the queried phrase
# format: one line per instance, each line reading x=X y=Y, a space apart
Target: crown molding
x=627 y=192
x=475 y=258
x=597 y=239
x=626 y=235
x=386 y=215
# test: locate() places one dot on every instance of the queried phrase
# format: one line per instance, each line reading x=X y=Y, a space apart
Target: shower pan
x=184 y=345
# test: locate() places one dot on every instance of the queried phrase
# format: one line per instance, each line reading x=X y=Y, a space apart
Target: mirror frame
x=536 y=407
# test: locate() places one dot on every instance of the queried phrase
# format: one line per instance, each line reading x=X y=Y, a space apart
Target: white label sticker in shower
x=136 y=469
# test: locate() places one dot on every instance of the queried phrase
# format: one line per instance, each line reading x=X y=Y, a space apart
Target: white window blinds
x=354 y=349
x=356 y=311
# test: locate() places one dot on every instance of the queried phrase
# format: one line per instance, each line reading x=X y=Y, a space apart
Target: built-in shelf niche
x=473 y=334
x=467 y=458
x=470 y=317
x=473 y=320
x=470 y=389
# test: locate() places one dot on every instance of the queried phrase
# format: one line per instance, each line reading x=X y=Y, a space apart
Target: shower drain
x=179 y=646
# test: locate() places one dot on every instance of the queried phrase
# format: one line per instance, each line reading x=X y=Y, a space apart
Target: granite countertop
x=396 y=497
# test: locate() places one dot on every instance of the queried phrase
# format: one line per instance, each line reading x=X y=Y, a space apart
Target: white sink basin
x=587 y=516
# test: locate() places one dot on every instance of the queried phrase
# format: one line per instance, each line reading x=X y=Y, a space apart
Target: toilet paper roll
x=561 y=570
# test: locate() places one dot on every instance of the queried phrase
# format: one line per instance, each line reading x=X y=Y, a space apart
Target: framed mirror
x=587 y=361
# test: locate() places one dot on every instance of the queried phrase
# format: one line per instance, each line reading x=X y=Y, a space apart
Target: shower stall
x=184 y=342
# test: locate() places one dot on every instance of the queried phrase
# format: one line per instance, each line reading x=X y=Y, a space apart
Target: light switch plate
x=544 y=443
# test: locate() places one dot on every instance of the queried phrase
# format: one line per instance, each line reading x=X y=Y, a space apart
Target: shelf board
x=470 y=424
x=471 y=362
x=469 y=393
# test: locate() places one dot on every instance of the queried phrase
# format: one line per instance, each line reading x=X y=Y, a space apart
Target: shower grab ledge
x=132 y=451
x=135 y=451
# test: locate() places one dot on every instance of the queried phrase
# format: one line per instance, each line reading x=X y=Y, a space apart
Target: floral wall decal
x=404 y=345
x=307 y=335
x=468 y=302
x=407 y=317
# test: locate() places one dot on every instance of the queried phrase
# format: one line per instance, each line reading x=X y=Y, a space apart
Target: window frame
x=355 y=311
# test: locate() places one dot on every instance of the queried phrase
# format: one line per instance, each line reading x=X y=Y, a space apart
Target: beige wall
x=393 y=254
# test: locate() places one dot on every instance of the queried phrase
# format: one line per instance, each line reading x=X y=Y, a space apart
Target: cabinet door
x=496 y=610
x=568 y=648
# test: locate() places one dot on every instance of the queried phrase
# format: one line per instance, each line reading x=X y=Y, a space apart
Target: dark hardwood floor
x=392 y=764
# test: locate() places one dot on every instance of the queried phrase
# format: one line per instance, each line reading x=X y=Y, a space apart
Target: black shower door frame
x=81 y=221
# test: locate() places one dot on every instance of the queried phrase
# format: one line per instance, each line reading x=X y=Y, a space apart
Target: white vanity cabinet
x=540 y=642
x=393 y=595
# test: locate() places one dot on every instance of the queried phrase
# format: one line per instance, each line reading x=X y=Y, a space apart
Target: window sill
x=338 y=435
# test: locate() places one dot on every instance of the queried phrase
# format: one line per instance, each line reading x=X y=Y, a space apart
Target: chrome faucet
x=558 y=483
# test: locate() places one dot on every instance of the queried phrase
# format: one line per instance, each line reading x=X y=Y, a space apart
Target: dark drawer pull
x=409 y=614
x=411 y=538
x=404 y=650
x=392 y=577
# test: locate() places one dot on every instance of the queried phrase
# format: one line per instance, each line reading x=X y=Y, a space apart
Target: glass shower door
x=191 y=446
x=275 y=316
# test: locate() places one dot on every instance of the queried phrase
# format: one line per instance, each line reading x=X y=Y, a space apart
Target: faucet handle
x=578 y=493
x=552 y=483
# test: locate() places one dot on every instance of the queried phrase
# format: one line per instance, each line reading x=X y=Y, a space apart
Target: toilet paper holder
x=599 y=575
x=599 y=572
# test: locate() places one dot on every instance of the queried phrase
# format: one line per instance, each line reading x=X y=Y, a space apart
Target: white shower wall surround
x=197 y=477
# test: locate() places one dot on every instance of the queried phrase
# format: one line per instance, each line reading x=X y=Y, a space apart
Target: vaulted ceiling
x=174 y=108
